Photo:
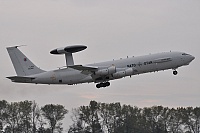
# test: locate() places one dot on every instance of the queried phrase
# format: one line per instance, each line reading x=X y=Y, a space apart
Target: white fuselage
x=141 y=64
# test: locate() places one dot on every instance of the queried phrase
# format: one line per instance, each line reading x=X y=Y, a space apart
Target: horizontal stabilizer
x=84 y=68
x=20 y=79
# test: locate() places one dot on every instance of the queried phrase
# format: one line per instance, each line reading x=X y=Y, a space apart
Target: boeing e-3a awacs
x=100 y=73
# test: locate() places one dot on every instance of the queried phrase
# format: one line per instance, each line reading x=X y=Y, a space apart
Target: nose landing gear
x=103 y=84
x=175 y=72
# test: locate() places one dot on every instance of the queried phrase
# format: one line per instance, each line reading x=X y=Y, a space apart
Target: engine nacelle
x=106 y=71
x=112 y=69
x=102 y=72
x=129 y=71
x=121 y=74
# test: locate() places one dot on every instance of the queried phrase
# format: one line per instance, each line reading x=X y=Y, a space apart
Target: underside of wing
x=20 y=79
x=84 y=68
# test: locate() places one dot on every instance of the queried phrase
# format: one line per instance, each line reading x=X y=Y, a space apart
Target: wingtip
x=16 y=46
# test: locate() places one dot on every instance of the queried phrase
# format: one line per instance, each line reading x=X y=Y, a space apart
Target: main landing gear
x=103 y=84
x=175 y=72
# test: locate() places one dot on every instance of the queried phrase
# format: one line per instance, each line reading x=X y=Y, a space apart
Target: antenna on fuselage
x=68 y=52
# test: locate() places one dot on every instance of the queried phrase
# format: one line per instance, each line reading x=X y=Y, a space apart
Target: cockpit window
x=185 y=54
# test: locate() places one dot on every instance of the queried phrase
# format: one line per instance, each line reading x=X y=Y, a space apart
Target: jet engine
x=121 y=74
x=106 y=71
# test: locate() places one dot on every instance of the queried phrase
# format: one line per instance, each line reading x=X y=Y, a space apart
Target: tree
x=89 y=114
x=25 y=110
x=3 y=107
x=175 y=120
x=106 y=117
x=79 y=124
x=36 y=117
x=54 y=114
x=191 y=119
x=196 y=117
x=131 y=119
x=18 y=116
x=115 y=122
x=86 y=119
x=13 y=118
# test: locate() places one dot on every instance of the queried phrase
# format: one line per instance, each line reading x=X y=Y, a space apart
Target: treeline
x=117 y=118
x=28 y=117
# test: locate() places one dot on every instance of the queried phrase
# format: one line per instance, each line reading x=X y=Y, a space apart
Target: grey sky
x=111 y=30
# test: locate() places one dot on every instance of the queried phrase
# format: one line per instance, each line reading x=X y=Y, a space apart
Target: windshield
x=185 y=54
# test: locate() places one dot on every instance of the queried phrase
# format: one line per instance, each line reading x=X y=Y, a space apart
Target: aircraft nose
x=192 y=57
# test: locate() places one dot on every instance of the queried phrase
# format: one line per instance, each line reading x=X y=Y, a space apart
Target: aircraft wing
x=20 y=79
x=84 y=68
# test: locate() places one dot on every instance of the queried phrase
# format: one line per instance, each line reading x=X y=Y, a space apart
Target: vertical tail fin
x=23 y=66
